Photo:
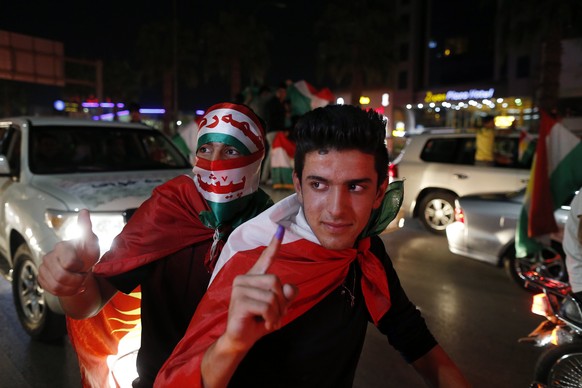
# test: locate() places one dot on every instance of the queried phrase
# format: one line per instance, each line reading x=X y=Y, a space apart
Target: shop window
x=522 y=69
x=403 y=80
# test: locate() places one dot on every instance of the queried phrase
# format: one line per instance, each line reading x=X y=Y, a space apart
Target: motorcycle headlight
x=540 y=305
x=106 y=225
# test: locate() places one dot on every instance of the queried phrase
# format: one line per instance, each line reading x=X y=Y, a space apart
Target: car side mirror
x=4 y=166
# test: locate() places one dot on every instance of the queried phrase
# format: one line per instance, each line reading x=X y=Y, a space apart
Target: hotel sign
x=454 y=95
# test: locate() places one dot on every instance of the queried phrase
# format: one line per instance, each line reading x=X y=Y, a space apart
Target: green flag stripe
x=283 y=175
x=300 y=103
x=223 y=138
x=567 y=176
x=524 y=245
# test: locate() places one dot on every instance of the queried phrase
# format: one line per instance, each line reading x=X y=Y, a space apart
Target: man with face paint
x=168 y=249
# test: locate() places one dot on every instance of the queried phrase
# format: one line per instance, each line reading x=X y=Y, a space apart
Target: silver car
x=50 y=167
x=439 y=167
x=484 y=229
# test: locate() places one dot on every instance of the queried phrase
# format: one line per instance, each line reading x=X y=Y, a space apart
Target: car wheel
x=549 y=262
x=436 y=211
x=33 y=312
x=560 y=366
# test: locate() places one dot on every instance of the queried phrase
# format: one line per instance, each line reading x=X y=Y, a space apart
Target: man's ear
x=297 y=185
x=380 y=194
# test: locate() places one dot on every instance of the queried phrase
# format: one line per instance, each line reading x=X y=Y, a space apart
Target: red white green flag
x=556 y=173
x=282 y=154
x=305 y=97
x=301 y=260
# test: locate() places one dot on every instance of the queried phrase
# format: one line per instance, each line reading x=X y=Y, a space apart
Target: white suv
x=50 y=168
x=439 y=167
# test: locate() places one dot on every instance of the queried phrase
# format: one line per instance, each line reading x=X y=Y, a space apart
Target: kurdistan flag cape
x=556 y=173
x=165 y=223
x=184 y=211
x=301 y=260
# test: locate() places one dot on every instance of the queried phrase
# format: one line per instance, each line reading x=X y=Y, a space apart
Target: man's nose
x=336 y=201
x=216 y=154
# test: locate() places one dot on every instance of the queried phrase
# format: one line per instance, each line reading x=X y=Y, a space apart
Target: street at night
x=159 y=125
x=473 y=309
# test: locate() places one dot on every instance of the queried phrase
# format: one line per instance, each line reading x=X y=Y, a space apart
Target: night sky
x=91 y=31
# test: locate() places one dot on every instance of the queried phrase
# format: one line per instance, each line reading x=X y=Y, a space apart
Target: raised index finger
x=268 y=255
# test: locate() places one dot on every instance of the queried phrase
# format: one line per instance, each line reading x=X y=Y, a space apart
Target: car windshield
x=66 y=149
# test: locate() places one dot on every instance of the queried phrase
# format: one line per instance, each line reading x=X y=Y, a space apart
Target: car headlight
x=106 y=225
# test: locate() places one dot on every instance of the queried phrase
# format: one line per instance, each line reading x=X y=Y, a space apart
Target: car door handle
x=460 y=176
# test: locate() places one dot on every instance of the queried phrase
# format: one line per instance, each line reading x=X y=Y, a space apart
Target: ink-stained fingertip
x=280 y=232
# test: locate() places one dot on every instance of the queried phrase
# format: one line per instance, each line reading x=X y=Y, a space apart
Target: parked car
x=440 y=167
x=50 y=168
x=485 y=230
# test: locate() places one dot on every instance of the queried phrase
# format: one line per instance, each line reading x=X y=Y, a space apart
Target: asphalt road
x=473 y=309
x=476 y=313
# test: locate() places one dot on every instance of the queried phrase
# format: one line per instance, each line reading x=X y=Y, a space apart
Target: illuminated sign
x=364 y=100
x=454 y=95
x=504 y=121
x=438 y=97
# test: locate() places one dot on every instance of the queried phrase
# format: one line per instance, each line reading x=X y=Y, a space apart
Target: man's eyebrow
x=361 y=180
x=316 y=178
x=350 y=181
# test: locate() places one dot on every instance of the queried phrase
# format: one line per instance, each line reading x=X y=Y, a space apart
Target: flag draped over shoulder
x=556 y=173
x=99 y=343
x=167 y=222
x=301 y=260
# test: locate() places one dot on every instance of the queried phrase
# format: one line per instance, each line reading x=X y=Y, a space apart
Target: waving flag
x=305 y=97
x=556 y=173
x=282 y=153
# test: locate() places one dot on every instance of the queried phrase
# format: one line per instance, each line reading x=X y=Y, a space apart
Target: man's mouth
x=336 y=227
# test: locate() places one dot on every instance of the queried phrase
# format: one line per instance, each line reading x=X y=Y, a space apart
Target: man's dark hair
x=342 y=128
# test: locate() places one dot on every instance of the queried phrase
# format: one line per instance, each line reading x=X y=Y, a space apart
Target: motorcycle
x=548 y=261
x=560 y=365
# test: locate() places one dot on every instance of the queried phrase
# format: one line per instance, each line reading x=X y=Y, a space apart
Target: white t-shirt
x=572 y=243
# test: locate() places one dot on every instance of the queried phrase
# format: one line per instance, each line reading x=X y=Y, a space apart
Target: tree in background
x=167 y=56
x=121 y=82
x=235 y=45
x=355 y=44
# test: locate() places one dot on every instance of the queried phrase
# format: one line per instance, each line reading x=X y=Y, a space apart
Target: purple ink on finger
x=280 y=233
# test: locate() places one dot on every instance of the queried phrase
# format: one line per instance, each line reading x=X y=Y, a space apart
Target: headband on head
x=228 y=184
x=232 y=124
